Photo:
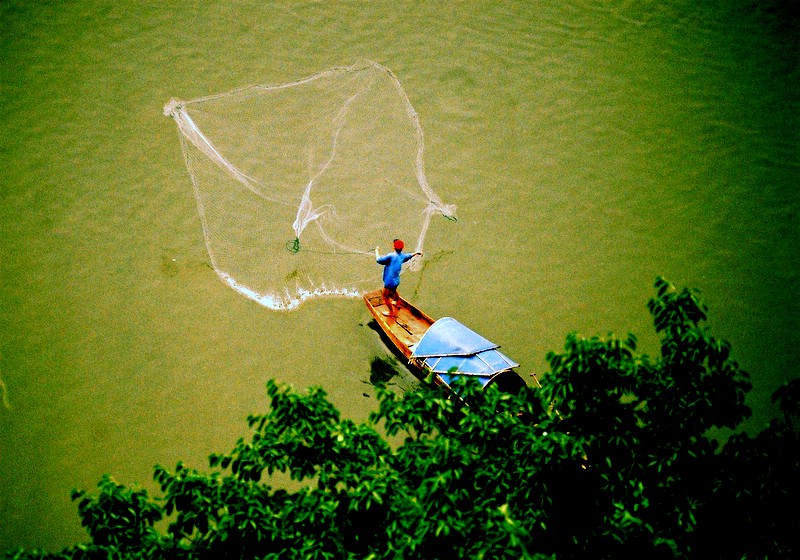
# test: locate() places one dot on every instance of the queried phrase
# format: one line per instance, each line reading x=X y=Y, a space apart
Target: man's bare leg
x=387 y=299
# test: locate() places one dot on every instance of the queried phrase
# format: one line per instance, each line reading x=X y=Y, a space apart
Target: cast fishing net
x=297 y=183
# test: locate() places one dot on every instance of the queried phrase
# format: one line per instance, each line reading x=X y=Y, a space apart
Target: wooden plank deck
x=407 y=329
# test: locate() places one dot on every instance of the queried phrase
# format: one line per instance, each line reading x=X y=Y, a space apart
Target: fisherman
x=392 y=264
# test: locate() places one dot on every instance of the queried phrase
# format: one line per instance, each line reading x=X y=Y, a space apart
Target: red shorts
x=390 y=292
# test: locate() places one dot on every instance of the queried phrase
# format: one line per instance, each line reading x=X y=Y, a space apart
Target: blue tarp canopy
x=448 y=344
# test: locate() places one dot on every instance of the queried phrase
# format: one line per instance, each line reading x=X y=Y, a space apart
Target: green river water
x=589 y=146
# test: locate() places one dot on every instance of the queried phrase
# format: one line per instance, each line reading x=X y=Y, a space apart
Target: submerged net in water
x=297 y=183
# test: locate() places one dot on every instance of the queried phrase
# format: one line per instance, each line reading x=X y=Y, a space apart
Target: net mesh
x=297 y=183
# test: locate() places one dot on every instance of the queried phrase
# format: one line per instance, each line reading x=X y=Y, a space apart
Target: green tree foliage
x=609 y=458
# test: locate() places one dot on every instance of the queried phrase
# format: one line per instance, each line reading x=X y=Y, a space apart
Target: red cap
x=398 y=245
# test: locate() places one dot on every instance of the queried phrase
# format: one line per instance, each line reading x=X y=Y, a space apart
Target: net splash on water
x=297 y=183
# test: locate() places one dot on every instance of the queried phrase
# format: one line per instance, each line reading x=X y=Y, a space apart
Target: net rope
x=297 y=183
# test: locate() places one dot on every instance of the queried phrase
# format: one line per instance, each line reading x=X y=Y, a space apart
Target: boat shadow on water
x=393 y=368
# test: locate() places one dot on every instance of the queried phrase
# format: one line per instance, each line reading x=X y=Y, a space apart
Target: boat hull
x=406 y=331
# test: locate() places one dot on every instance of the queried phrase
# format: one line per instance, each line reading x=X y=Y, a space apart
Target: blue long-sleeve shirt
x=392 y=265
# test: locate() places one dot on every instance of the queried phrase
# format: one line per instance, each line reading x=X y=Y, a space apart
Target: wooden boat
x=444 y=348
